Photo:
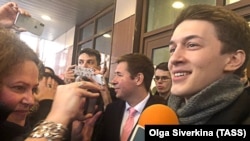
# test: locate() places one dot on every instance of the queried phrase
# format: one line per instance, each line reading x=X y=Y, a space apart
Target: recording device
x=30 y=24
x=86 y=74
x=157 y=114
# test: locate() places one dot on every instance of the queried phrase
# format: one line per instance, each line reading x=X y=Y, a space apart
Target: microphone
x=156 y=114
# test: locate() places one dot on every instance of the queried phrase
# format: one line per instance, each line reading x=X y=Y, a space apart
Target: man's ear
x=235 y=61
x=139 y=78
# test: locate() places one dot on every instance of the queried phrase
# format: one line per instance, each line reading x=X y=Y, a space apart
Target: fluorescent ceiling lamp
x=178 y=5
x=45 y=17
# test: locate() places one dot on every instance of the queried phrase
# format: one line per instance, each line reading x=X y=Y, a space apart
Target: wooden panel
x=123 y=36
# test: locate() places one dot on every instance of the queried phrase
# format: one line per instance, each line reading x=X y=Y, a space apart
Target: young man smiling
x=209 y=50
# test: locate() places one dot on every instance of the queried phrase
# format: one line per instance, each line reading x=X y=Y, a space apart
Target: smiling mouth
x=179 y=74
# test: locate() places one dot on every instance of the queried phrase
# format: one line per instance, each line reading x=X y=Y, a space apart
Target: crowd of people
x=202 y=82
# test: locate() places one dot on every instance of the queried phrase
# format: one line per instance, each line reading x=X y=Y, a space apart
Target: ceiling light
x=45 y=17
x=106 y=35
x=178 y=5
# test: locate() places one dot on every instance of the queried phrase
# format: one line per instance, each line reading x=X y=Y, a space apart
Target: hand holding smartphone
x=30 y=24
x=85 y=74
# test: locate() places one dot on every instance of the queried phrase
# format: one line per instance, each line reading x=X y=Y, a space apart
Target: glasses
x=162 y=78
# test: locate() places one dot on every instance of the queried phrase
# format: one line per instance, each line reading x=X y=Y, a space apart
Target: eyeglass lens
x=163 y=78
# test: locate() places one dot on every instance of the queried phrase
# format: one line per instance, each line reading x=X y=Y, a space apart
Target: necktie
x=128 y=126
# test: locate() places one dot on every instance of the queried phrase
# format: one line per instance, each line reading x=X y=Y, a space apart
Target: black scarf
x=203 y=105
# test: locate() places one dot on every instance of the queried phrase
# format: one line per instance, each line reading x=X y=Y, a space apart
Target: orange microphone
x=157 y=114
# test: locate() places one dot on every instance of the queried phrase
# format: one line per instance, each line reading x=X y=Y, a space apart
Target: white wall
x=124 y=9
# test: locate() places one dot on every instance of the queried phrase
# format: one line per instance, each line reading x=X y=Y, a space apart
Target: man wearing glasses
x=162 y=80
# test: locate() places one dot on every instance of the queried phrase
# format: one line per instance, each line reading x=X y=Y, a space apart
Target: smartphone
x=32 y=25
x=90 y=103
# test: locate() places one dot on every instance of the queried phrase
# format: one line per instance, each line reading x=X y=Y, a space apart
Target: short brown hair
x=162 y=66
x=139 y=63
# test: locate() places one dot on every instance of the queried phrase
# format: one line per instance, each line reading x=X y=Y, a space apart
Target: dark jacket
x=157 y=93
x=236 y=113
x=14 y=132
x=4 y=113
x=112 y=118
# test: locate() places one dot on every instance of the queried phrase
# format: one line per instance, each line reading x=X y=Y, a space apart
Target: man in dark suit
x=132 y=80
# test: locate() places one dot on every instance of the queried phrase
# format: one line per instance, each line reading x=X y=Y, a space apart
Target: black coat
x=236 y=113
x=4 y=113
x=13 y=132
